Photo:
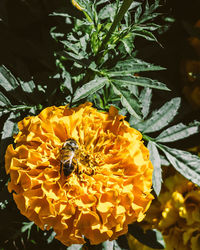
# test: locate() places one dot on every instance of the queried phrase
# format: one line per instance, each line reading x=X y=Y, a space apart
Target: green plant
x=96 y=61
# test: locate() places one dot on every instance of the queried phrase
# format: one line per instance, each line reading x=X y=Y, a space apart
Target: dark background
x=27 y=50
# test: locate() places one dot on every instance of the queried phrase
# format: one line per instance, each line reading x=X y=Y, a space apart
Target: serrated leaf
x=132 y=66
x=108 y=245
x=70 y=56
x=130 y=102
x=28 y=87
x=157 y=171
x=134 y=5
x=138 y=13
x=151 y=26
x=140 y=81
x=102 y=1
x=144 y=33
x=51 y=238
x=75 y=247
x=116 y=246
x=26 y=226
x=151 y=237
x=148 y=17
x=72 y=47
x=7 y=80
x=164 y=161
x=128 y=43
x=67 y=81
x=9 y=128
x=108 y=11
x=178 y=132
x=160 y=118
x=145 y=97
x=4 y=101
x=184 y=162
x=134 y=90
x=89 y=88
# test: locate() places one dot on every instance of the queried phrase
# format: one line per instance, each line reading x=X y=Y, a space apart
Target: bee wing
x=71 y=157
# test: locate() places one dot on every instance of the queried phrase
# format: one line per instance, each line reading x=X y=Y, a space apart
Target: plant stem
x=125 y=6
x=147 y=138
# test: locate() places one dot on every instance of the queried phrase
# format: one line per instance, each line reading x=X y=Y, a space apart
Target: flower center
x=86 y=162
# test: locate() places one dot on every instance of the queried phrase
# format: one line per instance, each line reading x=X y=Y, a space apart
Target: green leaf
x=116 y=246
x=108 y=245
x=140 y=81
x=72 y=57
x=138 y=13
x=16 y=108
x=128 y=43
x=134 y=5
x=89 y=88
x=132 y=66
x=160 y=118
x=144 y=33
x=9 y=128
x=184 y=162
x=145 y=97
x=178 y=132
x=130 y=102
x=28 y=87
x=149 y=11
x=75 y=247
x=7 y=80
x=108 y=11
x=52 y=237
x=4 y=101
x=67 y=81
x=157 y=171
x=151 y=26
x=151 y=237
x=164 y=161
x=27 y=226
x=102 y=1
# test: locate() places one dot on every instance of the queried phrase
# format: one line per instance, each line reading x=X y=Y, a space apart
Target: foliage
x=96 y=52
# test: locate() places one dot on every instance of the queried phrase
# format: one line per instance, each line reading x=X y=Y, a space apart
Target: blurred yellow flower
x=191 y=70
x=176 y=213
x=195 y=41
x=191 y=75
x=134 y=244
x=109 y=187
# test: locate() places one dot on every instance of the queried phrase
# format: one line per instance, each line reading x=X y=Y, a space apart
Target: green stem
x=87 y=16
x=125 y=6
x=147 y=138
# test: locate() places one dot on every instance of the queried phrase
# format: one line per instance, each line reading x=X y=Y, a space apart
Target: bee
x=67 y=156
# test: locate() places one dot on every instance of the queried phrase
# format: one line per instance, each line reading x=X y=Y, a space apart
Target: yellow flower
x=134 y=244
x=176 y=213
x=109 y=187
x=195 y=41
x=190 y=70
x=191 y=74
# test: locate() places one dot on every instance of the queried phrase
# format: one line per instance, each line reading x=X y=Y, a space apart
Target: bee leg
x=77 y=168
x=61 y=168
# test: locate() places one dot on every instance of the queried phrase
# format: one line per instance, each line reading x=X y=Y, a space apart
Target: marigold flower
x=109 y=187
x=176 y=213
